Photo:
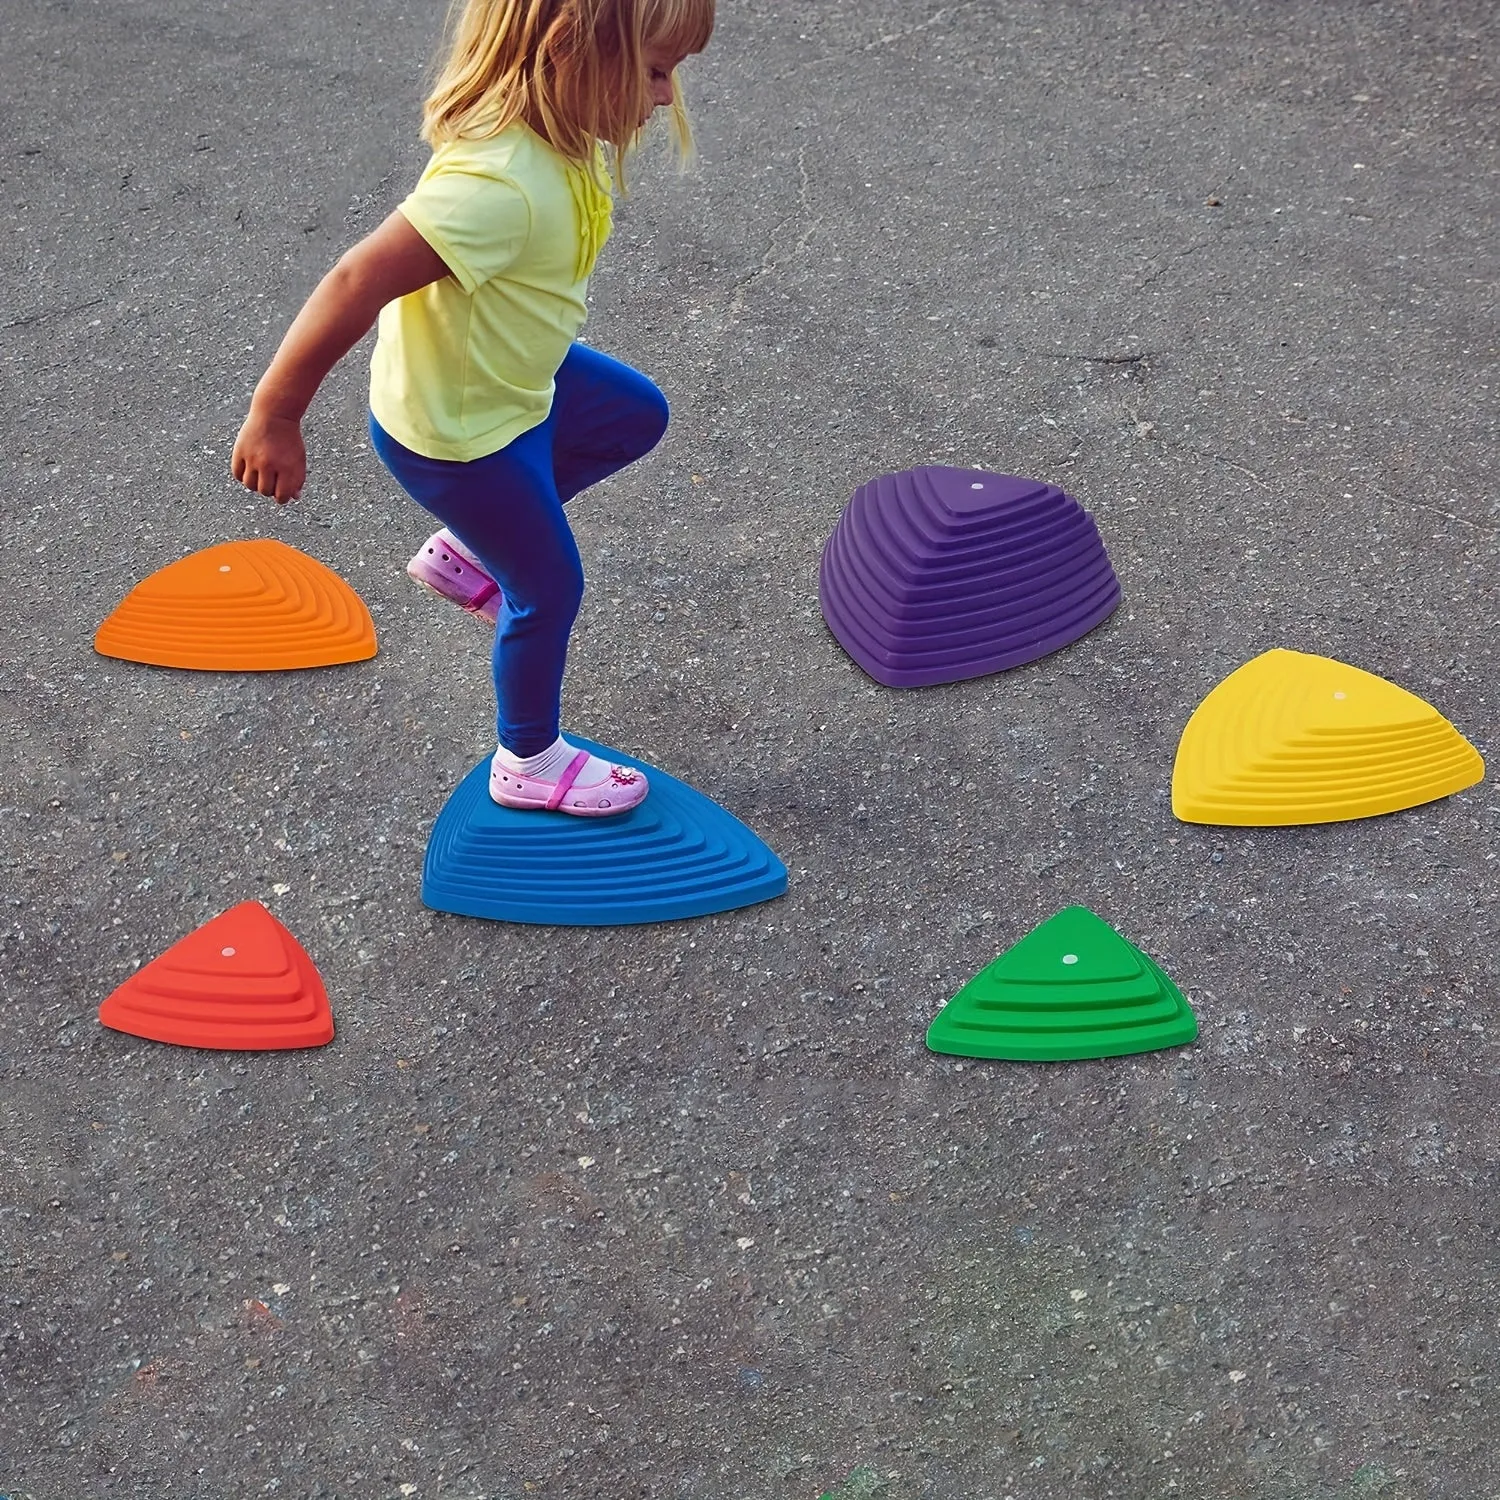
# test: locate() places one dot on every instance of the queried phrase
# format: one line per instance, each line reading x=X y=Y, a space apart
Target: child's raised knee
x=655 y=414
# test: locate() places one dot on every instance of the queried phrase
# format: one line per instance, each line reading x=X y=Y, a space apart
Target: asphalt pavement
x=689 y=1210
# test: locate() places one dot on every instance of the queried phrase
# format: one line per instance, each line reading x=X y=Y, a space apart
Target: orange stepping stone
x=251 y=606
x=240 y=982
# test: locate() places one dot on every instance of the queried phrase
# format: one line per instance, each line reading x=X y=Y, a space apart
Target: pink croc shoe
x=622 y=789
x=448 y=568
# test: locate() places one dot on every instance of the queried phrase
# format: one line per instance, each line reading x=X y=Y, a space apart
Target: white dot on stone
x=1340 y=696
x=976 y=486
x=226 y=952
x=223 y=567
x=1070 y=958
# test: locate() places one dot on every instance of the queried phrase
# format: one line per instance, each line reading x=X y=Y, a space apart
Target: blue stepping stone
x=675 y=855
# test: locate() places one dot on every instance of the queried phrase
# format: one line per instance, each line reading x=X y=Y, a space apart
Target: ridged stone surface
x=677 y=854
x=1290 y=738
x=247 y=606
x=938 y=574
x=1071 y=988
x=240 y=982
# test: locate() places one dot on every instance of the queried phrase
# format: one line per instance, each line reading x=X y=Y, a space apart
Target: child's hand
x=270 y=457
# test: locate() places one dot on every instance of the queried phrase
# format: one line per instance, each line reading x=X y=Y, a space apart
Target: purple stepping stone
x=938 y=574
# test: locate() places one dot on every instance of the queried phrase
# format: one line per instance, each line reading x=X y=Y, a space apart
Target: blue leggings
x=507 y=508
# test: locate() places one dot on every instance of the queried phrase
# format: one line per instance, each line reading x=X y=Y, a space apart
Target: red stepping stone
x=239 y=983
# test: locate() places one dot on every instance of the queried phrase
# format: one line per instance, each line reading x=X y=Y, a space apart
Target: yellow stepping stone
x=1291 y=738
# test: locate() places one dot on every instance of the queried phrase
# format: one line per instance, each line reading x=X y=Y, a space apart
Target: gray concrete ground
x=690 y=1211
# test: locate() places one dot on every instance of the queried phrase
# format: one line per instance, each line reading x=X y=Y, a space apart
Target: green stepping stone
x=1072 y=988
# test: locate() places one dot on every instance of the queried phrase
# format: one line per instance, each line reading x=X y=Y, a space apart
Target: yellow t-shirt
x=465 y=365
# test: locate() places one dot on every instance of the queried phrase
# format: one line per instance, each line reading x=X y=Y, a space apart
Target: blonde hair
x=573 y=70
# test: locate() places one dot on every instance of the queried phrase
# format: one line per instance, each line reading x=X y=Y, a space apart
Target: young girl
x=482 y=406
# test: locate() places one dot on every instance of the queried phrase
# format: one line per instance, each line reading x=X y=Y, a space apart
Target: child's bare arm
x=269 y=455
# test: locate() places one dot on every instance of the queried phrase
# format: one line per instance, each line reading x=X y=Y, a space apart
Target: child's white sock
x=552 y=762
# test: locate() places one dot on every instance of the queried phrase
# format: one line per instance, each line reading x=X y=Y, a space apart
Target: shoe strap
x=566 y=780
